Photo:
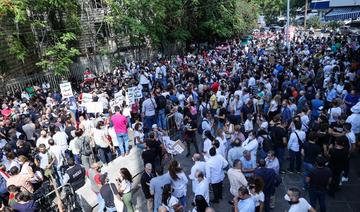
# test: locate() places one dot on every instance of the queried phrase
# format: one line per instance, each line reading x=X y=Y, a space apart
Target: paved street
x=347 y=200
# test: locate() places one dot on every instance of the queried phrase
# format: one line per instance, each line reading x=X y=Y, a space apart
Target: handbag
x=119 y=205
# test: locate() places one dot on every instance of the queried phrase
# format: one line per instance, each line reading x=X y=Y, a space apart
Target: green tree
x=59 y=56
x=50 y=21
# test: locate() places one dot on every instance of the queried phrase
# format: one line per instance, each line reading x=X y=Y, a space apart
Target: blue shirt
x=248 y=164
x=316 y=103
x=156 y=186
x=247 y=205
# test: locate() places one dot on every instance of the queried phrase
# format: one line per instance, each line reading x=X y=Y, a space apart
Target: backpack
x=3 y=187
x=267 y=143
x=161 y=102
x=200 y=129
x=85 y=148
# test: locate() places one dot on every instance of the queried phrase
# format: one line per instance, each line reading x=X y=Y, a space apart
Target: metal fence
x=18 y=84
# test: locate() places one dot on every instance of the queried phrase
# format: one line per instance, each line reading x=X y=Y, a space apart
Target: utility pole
x=288 y=27
x=305 y=15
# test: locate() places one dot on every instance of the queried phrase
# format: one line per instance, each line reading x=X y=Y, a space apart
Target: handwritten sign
x=119 y=98
x=66 y=90
x=134 y=93
x=86 y=98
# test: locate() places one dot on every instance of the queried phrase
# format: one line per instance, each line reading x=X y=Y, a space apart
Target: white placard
x=66 y=90
x=119 y=98
x=86 y=98
x=134 y=93
x=178 y=147
x=94 y=107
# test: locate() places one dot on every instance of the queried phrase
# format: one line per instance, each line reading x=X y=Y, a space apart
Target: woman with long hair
x=168 y=200
x=200 y=204
x=178 y=181
x=256 y=186
x=125 y=181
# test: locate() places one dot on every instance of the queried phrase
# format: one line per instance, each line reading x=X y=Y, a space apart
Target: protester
x=145 y=186
x=246 y=101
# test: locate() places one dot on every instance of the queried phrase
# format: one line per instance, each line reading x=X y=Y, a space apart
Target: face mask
x=287 y=198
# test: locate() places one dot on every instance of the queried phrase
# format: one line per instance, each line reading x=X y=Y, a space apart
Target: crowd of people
x=240 y=109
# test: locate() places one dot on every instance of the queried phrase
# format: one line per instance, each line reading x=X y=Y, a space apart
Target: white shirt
x=112 y=133
x=125 y=186
x=99 y=136
x=222 y=148
x=248 y=125
x=236 y=179
x=149 y=106
x=207 y=147
x=215 y=168
x=354 y=120
x=42 y=140
x=260 y=197
x=180 y=185
x=302 y=206
x=198 y=166
x=332 y=111
x=72 y=146
x=203 y=189
x=293 y=140
x=251 y=146
x=57 y=152
x=60 y=139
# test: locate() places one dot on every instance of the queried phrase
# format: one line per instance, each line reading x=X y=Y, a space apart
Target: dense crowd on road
x=239 y=109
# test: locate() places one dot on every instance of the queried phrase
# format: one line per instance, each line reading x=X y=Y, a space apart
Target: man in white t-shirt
x=297 y=204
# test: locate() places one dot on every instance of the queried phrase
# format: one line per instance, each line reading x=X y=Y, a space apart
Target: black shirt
x=277 y=134
x=189 y=125
x=311 y=150
x=148 y=156
x=145 y=179
x=338 y=158
x=319 y=178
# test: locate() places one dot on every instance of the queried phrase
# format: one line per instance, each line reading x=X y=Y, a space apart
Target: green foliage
x=16 y=47
x=334 y=24
x=314 y=22
x=55 y=20
x=164 y=22
x=59 y=56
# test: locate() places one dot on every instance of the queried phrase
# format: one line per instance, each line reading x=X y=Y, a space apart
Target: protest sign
x=178 y=146
x=134 y=93
x=86 y=98
x=66 y=90
x=118 y=97
x=94 y=107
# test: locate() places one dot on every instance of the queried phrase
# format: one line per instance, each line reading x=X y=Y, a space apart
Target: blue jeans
x=308 y=168
x=161 y=119
x=148 y=122
x=315 y=195
x=182 y=201
x=101 y=202
x=123 y=139
x=110 y=209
